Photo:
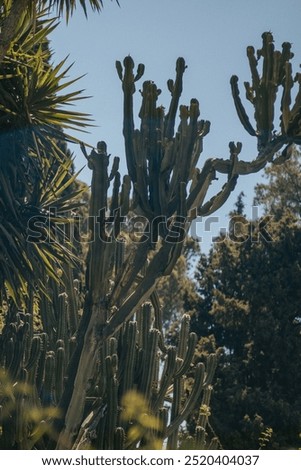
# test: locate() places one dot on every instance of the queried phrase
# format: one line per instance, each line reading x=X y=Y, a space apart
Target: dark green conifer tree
x=249 y=305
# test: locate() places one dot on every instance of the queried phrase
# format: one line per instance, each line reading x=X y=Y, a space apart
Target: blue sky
x=211 y=35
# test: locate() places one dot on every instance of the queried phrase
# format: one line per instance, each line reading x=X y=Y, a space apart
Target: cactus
x=262 y=93
x=94 y=351
x=161 y=166
x=134 y=368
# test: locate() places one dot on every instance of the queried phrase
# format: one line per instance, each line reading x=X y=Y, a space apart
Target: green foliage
x=249 y=299
x=36 y=169
x=282 y=191
x=173 y=290
x=265 y=437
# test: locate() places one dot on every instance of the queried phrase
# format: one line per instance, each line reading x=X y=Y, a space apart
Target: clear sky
x=212 y=36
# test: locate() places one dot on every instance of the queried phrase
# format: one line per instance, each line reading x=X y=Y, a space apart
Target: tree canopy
x=249 y=303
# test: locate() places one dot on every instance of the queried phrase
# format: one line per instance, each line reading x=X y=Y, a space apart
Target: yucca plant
x=35 y=166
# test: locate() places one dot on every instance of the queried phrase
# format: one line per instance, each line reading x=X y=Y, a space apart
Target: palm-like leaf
x=35 y=168
x=67 y=7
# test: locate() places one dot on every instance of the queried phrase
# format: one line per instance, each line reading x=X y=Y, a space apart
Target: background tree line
x=246 y=307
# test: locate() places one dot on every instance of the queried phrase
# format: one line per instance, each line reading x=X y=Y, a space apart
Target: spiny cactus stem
x=191 y=400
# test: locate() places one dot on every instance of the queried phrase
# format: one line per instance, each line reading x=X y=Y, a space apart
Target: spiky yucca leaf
x=36 y=180
x=31 y=87
x=68 y=7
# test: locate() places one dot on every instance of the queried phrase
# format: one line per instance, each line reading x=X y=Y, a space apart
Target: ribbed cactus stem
x=191 y=400
x=146 y=320
x=112 y=346
x=204 y=412
x=125 y=194
x=114 y=206
x=72 y=300
x=211 y=364
x=150 y=363
x=20 y=421
x=184 y=335
x=41 y=363
x=119 y=438
x=200 y=437
x=21 y=433
x=119 y=254
x=59 y=372
x=34 y=352
x=192 y=342
x=158 y=320
x=18 y=358
x=166 y=378
x=128 y=357
x=47 y=395
x=214 y=444
x=163 y=417
x=33 y=360
x=28 y=319
x=9 y=354
x=112 y=394
x=172 y=434
x=62 y=316
x=286 y=98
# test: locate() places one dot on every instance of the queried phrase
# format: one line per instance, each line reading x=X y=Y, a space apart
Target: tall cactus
x=85 y=362
x=168 y=191
x=135 y=369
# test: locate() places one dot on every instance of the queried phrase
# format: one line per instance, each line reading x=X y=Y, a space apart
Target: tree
x=282 y=192
x=249 y=299
x=173 y=289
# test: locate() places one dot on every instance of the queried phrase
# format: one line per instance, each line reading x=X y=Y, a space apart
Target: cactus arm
x=128 y=85
x=158 y=323
x=75 y=409
x=115 y=205
x=190 y=402
x=241 y=112
x=286 y=98
x=142 y=291
x=131 y=268
x=253 y=67
x=112 y=411
x=172 y=432
x=59 y=373
x=191 y=345
x=119 y=255
x=119 y=438
x=47 y=392
x=129 y=359
x=166 y=378
x=125 y=195
x=219 y=199
x=176 y=91
x=149 y=360
x=210 y=369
